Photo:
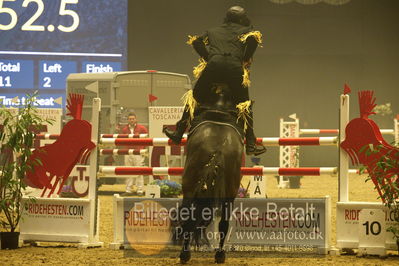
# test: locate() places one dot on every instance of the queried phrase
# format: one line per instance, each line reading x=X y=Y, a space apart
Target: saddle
x=219 y=111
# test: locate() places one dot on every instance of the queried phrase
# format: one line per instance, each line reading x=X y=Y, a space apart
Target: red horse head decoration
x=365 y=145
x=59 y=158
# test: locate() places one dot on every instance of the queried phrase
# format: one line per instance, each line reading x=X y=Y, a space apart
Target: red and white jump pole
x=124 y=136
x=123 y=151
x=304 y=171
x=56 y=136
x=106 y=136
x=315 y=141
x=141 y=142
x=47 y=136
x=318 y=131
x=336 y=131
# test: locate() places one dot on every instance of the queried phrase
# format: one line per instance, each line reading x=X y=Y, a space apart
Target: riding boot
x=181 y=125
x=250 y=147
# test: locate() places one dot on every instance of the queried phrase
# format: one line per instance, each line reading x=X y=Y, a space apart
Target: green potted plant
x=16 y=143
x=387 y=166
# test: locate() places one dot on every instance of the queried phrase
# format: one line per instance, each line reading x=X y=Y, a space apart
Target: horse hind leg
x=220 y=255
x=185 y=253
x=187 y=232
x=193 y=226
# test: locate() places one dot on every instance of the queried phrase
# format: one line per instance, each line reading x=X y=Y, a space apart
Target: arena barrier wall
x=276 y=224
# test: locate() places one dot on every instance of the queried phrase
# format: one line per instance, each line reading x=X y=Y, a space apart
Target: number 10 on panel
x=372 y=232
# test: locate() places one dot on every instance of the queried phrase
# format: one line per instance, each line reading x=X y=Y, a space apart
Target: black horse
x=211 y=175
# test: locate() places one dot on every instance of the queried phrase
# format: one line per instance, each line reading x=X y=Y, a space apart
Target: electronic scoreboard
x=43 y=41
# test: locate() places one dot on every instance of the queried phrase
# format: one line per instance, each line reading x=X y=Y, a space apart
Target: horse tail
x=209 y=194
x=212 y=182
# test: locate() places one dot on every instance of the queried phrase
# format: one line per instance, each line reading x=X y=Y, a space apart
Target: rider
x=226 y=60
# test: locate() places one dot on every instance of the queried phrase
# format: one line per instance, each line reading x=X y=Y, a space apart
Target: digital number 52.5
x=29 y=24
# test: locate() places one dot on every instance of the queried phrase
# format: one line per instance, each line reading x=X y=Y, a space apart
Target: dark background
x=309 y=52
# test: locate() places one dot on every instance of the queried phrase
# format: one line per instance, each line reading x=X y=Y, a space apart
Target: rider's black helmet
x=237 y=14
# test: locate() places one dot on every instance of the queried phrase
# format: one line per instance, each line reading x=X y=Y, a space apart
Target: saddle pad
x=227 y=118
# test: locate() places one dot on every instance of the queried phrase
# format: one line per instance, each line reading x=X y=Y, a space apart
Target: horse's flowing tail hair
x=212 y=182
x=209 y=193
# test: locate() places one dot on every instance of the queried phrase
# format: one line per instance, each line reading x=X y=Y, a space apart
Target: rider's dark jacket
x=226 y=49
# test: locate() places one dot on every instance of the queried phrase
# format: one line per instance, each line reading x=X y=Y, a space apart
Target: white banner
x=349 y=230
x=158 y=117
x=55 y=219
x=285 y=223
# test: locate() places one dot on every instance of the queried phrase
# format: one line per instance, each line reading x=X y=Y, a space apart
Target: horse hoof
x=185 y=256
x=220 y=256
